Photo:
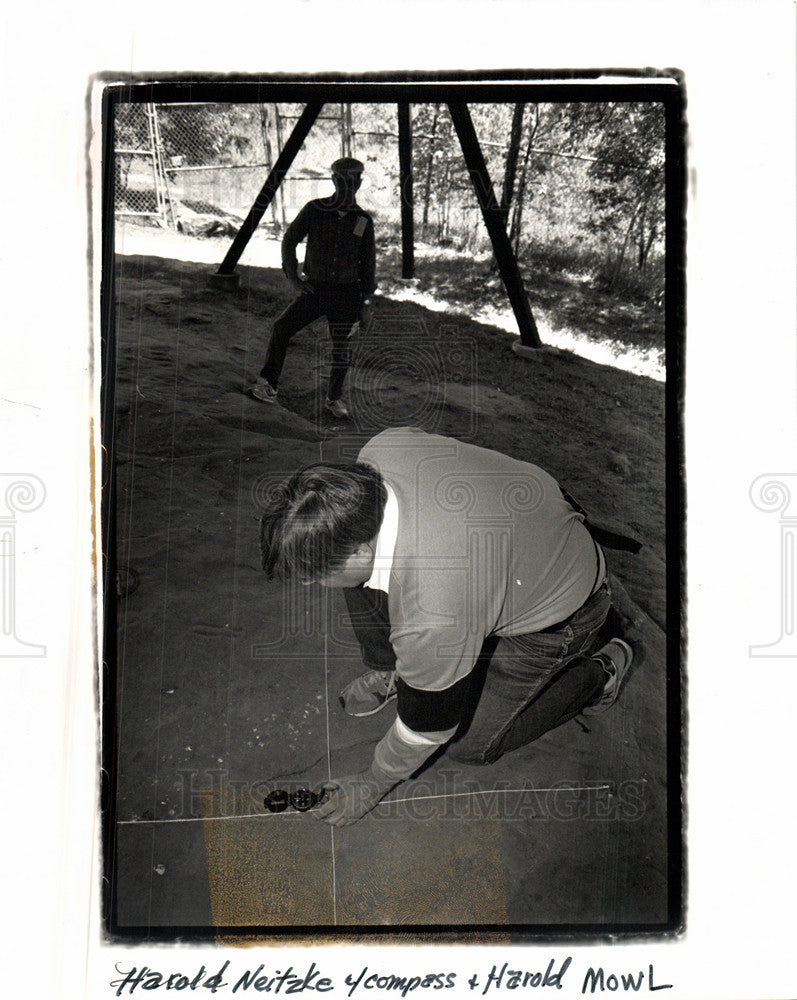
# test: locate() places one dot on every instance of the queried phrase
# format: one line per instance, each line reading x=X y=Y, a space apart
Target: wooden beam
x=405 y=192
x=495 y=220
x=269 y=189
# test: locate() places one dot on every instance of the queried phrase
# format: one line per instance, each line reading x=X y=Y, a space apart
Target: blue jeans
x=523 y=685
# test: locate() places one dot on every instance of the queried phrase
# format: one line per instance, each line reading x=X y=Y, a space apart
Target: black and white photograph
x=394 y=532
x=397 y=499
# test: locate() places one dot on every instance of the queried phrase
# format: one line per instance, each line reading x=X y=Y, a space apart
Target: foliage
x=581 y=179
x=627 y=177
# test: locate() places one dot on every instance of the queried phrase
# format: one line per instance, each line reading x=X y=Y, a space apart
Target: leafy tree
x=434 y=150
x=208 y=134
x=628 y=178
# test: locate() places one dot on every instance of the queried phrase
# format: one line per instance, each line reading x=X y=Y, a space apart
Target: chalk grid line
x=329 y=754
x=294 y=814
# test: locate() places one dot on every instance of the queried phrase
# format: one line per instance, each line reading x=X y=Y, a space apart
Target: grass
x=569 y=286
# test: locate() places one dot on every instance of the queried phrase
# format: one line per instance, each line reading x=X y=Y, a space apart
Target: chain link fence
x=186 y=165
x=199 y=167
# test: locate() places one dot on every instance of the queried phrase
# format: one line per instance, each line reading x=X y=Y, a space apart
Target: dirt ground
x=214 y=700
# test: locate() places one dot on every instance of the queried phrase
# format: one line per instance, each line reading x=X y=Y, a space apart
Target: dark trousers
x=341 y=306
x=524 y=685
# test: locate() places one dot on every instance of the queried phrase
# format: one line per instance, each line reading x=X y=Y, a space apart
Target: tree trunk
x=264 y=124
x=649 y=244
x=280 y=193
x=517 y=215
x=443 y=227
x=621 y=258
x=640 y=235
x=512 y=157
x=427 y=184
x=346 y=130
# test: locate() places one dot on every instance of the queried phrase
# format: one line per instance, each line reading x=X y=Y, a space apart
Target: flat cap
x=347 y=165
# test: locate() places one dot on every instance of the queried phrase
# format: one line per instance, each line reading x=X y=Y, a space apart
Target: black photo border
x=666 y=86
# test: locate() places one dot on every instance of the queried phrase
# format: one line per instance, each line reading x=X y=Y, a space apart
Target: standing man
x=338 y=278
x=448 y=553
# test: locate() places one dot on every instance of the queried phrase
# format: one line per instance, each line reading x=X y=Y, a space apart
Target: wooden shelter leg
x=273 y=181
x=406 y=192
x=495 y=221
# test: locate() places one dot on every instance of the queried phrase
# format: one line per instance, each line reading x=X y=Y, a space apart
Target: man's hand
x=364 y=319
x=362 y=322
x=352 y=797
x=301 y=285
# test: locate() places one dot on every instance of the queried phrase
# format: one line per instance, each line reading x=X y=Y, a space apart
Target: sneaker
x=369 y=693
x=337 y=408
x=264 y=391
x=615 y=658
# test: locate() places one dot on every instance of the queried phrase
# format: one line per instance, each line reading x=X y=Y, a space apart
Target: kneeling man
x=450 y=554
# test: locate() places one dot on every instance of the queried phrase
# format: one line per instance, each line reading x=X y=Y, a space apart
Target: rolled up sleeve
x=401 y=751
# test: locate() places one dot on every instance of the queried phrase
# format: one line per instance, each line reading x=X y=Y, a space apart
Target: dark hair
x=318 y=517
